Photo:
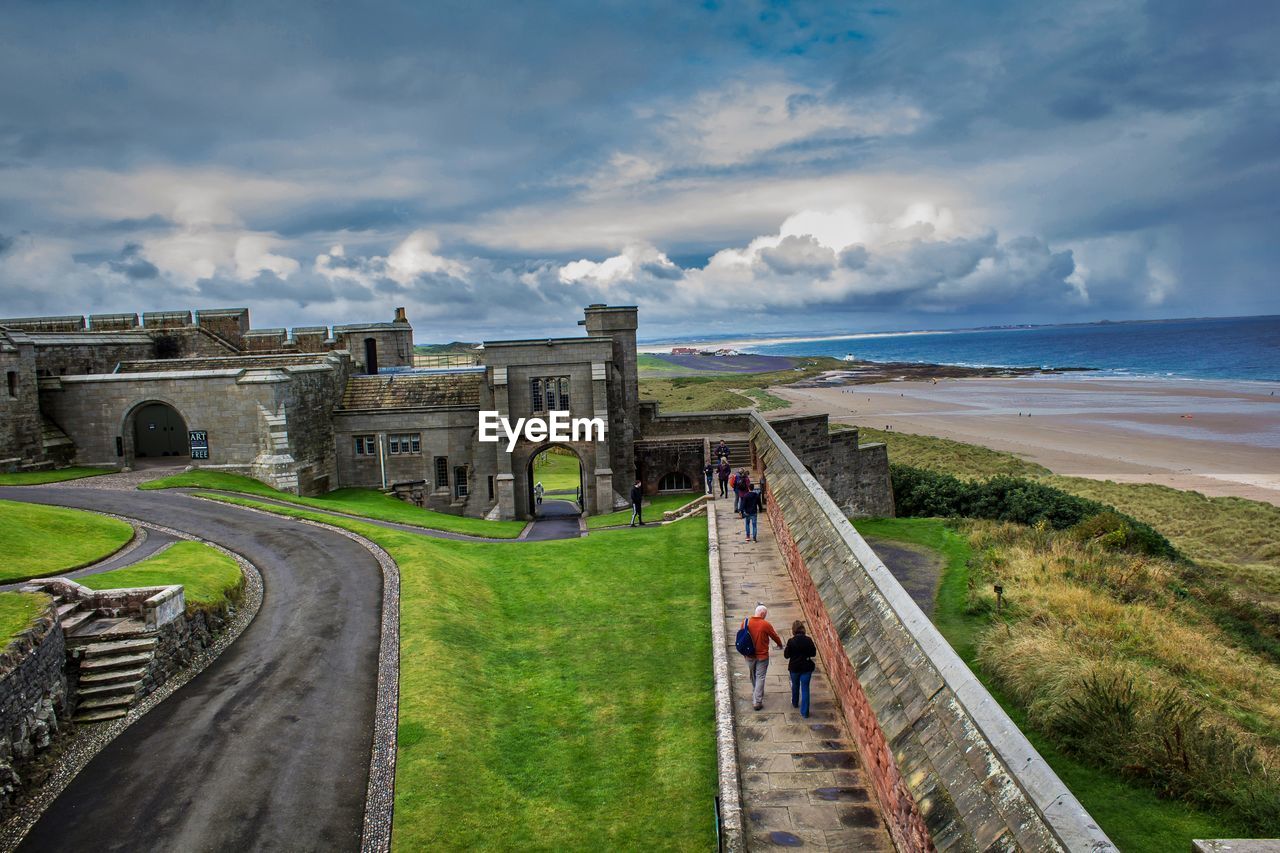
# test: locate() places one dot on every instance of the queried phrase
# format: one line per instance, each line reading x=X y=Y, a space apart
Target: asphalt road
x=268 y=748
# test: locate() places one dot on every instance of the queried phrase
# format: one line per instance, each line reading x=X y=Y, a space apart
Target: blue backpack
x=743 y=643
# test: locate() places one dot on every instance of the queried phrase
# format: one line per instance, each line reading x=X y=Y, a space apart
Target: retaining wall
x=33 y=697
x=950 y=768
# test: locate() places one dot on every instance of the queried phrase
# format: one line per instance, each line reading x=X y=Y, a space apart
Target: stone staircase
x=114 y=655
x=739 y=451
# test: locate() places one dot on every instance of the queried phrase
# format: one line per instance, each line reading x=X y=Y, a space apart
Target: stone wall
x=855 y=476
x=21 y=439
x=34 y=699
x=951 y=770
x=710 y=425
x=655 y=459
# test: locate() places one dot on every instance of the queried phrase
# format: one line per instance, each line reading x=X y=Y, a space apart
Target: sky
x=728 y=167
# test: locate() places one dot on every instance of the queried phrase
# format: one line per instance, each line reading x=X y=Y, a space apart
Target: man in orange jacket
x=761 y=633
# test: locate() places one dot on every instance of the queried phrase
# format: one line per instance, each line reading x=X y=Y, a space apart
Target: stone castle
x=312 y=409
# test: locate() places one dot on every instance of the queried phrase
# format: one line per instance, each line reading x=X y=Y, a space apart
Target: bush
x=929 y=494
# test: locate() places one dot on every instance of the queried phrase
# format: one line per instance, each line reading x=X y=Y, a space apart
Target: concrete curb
x=732 y=834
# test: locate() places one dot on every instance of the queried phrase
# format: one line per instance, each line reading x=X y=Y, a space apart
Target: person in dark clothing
x=723 y=473
x=741 y=485
x=800 y=652
x=637 y=497
x=750 y=514
x=722 y=450
x=709 y=472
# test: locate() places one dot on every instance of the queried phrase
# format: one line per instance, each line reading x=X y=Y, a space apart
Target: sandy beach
x=1218 y=438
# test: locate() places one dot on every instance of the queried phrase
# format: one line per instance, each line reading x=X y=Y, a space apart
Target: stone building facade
x=314 y=409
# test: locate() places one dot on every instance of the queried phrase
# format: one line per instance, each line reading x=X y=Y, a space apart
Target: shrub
x=921 y=493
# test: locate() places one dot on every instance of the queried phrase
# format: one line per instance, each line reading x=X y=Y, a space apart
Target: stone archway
x=155 y=430
x=557 y=494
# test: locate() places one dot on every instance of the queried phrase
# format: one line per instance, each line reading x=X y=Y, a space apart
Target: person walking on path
x=751 y=514
x=761 y=633
x=709 y=472
x=637 y=497
x=538 y=492
x=723 y=473
x=741 y=485
x=722 y=450
x=800 y=652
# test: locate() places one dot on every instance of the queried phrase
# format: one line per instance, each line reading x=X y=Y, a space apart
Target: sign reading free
x=199 y=440
x=557 y=426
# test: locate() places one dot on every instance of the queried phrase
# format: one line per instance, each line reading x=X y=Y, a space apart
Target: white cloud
x=637 y=260
x=416 y=256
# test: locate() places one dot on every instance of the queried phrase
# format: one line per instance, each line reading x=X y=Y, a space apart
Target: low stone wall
x=179 y=641
x=951 y=770
x=33 y=697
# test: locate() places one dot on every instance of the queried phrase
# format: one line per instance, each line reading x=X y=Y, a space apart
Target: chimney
x=400 y=316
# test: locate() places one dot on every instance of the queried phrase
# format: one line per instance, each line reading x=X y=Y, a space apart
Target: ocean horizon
x=1229 y=348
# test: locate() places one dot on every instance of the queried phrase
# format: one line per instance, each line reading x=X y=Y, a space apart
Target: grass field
x=1131 y=813
x=46 y=540
x=58 y=475
x=17 y=611
x=557 y=470
x=532 y=714
x=658 y=504
x=368 y=503
x=721 y=392
x=210 y=577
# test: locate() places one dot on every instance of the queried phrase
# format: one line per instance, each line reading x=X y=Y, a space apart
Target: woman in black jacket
x=800 y=652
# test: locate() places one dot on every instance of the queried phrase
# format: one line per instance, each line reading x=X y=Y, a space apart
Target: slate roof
x=412 y=391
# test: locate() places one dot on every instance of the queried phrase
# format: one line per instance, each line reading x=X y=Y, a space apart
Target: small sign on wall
x=199 y=440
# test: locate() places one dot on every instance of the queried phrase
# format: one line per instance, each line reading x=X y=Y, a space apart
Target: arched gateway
x=158 y=431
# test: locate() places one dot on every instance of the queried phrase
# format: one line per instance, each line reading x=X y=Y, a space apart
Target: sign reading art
x=199 y=440
x=557 y=426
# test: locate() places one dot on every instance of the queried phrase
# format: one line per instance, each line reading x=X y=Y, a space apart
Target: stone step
x=100 y=716
x=108 y=628
x=111 y=647
x=75 y=620
x=101 y=703
x=67 y=609
x=111 y=676
x=123 y=688
x=116 y=662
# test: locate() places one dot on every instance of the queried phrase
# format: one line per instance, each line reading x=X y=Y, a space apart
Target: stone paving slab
x=802 y=780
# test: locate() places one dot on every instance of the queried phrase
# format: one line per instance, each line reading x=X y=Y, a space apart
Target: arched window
x=675 y=482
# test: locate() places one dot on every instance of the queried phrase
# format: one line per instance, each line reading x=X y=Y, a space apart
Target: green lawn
x=57 y=475
x=557 y=471
x=17 y=611
x=1134 y=817
x=653 y=510
x=553 y=695
x=210 y=577
x=47 y=540
x=369 y=503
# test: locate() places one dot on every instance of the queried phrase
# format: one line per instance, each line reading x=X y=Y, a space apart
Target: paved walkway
x=802 y=780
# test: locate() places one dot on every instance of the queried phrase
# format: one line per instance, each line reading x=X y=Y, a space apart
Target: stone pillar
x=504 y=482
x=505 y=485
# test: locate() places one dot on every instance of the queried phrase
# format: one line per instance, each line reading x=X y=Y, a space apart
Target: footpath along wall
x=950 y=768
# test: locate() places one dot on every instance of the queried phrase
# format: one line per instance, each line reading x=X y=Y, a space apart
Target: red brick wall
x=896 y=803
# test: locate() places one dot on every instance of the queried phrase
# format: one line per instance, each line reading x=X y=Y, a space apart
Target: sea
x=1233 y=348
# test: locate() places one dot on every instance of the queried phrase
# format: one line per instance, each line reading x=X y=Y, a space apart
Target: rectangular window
x=460 y=482
x=366 y=445
x=442 y=472
x=549 y=393
x=401 y=443
x=490 y=487
x=13 y=383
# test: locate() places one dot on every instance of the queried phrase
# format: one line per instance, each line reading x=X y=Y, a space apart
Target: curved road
x=268 y=748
